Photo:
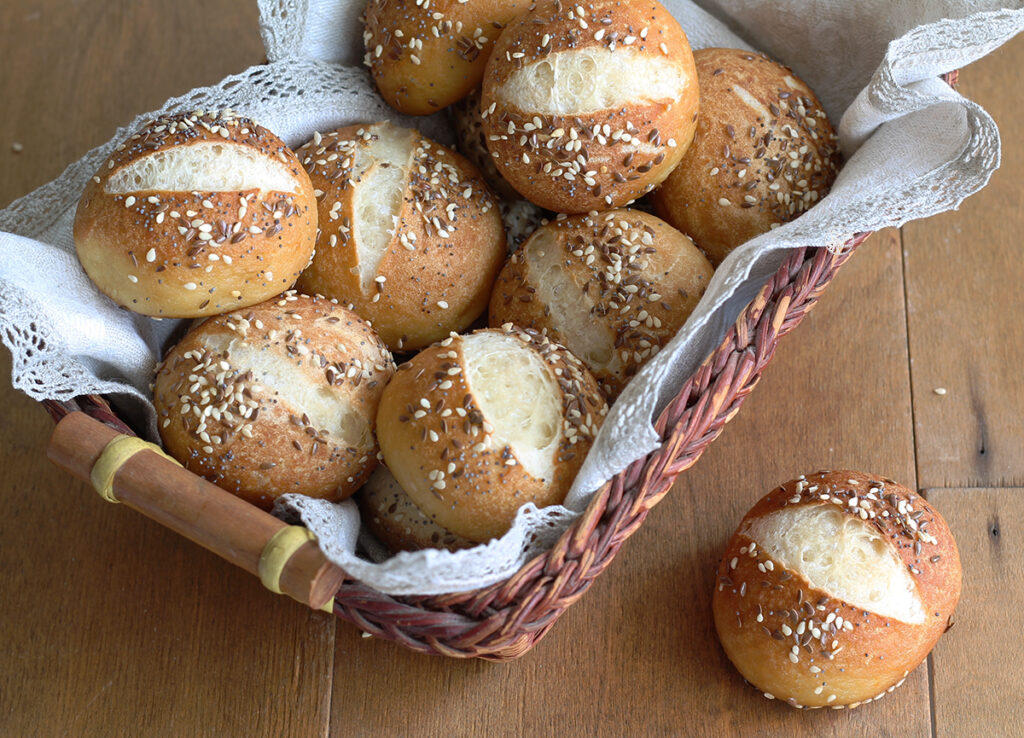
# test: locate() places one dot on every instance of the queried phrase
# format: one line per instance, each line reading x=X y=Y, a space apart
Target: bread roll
x=589 y=106
x=471 y=141
x=521 y=217
x=276 y=398
x=612 y=287
x=410 y=236
x=426 y=55
x=479 y=425
x=834 y=588
x=763 y=154
x=396 y=521
x=196 y=214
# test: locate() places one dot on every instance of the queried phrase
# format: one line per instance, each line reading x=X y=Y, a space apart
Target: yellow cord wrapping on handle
x=279 y=549
x=276 y=554
x=114 y=456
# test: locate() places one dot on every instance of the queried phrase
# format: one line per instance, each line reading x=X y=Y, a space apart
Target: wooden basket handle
x=285 y=558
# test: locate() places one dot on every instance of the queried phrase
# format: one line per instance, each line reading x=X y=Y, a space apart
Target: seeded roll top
x=588 y=106
x=764 y=153
x=410 y=235
x=428 y=54
x=835 y=587
x=478 y=425
x=613 y=287
x=471 y=140
x=280 y=397
x=196 y=214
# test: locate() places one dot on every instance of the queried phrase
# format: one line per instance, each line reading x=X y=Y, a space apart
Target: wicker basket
x=504 y=621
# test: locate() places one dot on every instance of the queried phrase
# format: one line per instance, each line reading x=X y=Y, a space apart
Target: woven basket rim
x=505 y=620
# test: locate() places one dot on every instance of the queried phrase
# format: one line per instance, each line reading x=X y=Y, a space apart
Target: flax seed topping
x=764 y=153
x=604 y=134
x=468 y=457
x=427 y=54
x=196 y=234
x=834 y=588
x=250 y=398
x=614 y=287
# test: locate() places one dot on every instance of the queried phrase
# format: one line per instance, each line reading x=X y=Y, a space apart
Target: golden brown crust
x=635 y=280
x=426 y=55
x=442 y=259
x=763 y=154
x=395 y=520
x=435 y=440
x=471 y=140
x=181 y=254
x=227 y=398
x=798 y=644
x=577 y=162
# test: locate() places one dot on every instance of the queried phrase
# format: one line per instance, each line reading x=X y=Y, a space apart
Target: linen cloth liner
x=913 y=148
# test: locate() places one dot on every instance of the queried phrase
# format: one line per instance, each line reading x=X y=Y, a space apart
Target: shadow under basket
x=505 y=620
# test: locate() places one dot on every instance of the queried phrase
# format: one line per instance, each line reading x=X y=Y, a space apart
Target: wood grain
x=966 y=267
x=643 y=635
x=156 y=486
x=74 y=72
x=112 y=625
x=977 y=665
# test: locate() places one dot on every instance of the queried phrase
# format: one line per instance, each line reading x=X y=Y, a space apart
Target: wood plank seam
x=929 y=671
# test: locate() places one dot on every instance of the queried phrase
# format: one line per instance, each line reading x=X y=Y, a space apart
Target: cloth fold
x=913 y=148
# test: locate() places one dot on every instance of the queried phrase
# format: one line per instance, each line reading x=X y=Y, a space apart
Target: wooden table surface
x=113 y=626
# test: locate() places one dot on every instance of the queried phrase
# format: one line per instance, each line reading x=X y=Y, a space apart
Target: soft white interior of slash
x=592 y=79
x=329 y=408
x=204 y=166
x=841 y=555
x=570 y=307
x=380 y=171
x=518 y=395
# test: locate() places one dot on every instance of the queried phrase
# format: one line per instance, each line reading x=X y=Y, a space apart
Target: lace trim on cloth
x=914 y=148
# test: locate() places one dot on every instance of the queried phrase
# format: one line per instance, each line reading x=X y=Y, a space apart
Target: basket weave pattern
x=504 y=621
